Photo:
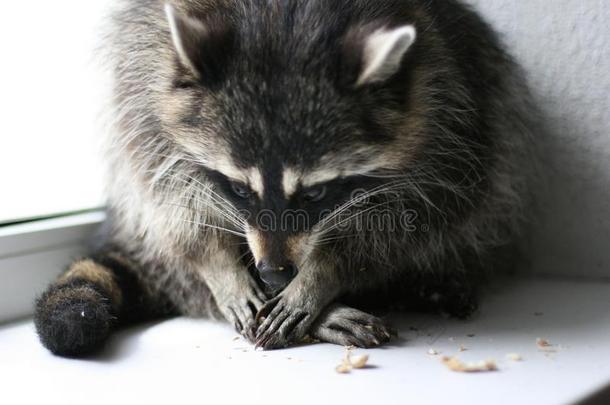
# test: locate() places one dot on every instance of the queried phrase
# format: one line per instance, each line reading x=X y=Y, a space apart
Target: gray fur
x=456 y=153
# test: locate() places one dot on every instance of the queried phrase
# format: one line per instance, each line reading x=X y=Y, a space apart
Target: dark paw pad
x=73 y=320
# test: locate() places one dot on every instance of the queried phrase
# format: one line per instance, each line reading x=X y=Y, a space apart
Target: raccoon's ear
x=203 y=46
x=381 y=53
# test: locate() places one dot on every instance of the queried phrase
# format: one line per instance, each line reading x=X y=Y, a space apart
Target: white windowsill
x=184 y=361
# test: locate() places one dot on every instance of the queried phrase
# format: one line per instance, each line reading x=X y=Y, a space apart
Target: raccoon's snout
x=276 y=276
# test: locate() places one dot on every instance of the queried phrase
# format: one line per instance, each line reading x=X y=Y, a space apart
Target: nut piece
x=359 y=361
x=455 y=364
x=308 y=340
x=514 y=357
x=349 y=363
x=343 y=368
x=545 y=346
x=433 y=352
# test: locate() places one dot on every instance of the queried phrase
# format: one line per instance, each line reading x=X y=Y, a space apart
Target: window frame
x=34 y=253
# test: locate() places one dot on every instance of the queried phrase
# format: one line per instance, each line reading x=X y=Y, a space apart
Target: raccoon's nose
x=276 y=276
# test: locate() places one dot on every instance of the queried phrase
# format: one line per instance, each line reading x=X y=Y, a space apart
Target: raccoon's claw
x=267 y=309
x=242 y=320
x=347 y=326
x=283 y=324
x=240 y=312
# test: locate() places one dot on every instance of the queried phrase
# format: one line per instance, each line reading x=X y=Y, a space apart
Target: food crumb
x=462 y=348
x=455 y=364
x=308 y=340
x=452 y=339
x=545 y=345
x=433 y=352
x=514 y=357
x=351 y=362
x=359 y=361
x=236 y=338
x=343 y=368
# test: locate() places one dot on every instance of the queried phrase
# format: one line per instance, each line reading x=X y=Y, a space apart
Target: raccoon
x=289 y=165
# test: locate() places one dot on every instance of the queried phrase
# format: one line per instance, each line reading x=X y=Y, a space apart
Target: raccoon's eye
x=241 y=190
x=315 y=194
x=182 y=84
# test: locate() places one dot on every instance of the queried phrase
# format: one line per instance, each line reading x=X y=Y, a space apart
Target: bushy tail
x=77 y=313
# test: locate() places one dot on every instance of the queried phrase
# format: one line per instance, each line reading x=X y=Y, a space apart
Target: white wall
x=564 y=46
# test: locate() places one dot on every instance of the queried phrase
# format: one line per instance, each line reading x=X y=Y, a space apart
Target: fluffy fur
x=266 y=93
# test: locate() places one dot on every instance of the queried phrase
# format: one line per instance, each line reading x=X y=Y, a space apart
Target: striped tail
x=75 y=315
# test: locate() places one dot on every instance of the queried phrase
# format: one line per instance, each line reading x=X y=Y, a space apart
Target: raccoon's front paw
x=347 y=326
x=286 y=320
x=240 y=309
